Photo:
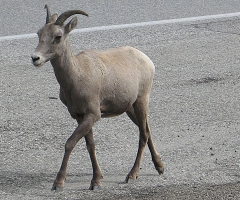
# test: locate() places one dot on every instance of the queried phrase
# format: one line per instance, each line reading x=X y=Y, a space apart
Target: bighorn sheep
x=95 y=84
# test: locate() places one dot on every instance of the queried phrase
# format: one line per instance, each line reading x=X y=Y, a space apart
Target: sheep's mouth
x=37 y=64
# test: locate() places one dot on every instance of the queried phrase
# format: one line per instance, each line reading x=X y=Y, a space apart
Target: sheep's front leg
x=84 y=126
x=97 y=174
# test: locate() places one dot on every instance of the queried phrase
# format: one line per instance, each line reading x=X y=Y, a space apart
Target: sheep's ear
x=71 y=25
x=54 y=17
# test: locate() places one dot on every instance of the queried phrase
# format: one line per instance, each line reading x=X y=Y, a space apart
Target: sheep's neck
x=64 y=67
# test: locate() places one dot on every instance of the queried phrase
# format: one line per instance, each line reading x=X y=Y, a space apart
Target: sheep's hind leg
x=159 y=166
x=97 y=174
x=140 y=113
x=155 y=156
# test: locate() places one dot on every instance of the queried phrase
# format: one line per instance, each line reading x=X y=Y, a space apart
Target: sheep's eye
x=58 y=38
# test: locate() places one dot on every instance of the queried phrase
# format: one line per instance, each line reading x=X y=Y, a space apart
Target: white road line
x=133 y=25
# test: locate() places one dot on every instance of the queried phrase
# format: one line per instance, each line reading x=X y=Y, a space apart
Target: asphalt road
x=194 y=109
x=26 y=16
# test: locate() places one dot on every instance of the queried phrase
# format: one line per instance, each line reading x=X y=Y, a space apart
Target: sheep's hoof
x=95 y=187
x=160 y=170
x=57 y=189
x=130 y=179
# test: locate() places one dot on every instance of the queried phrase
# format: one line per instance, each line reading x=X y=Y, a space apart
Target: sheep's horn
x=62 y=18
x=48 y=18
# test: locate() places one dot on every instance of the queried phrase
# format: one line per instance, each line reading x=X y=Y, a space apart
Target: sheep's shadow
x=22 y=182
x=13 y=182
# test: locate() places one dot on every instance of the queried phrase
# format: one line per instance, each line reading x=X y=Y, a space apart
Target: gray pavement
x=194 y=116
x=26 y=16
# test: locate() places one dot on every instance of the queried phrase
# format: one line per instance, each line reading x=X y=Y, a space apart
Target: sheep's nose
x=35 y=58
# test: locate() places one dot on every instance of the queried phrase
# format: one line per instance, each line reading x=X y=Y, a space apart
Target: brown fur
x=95 y=84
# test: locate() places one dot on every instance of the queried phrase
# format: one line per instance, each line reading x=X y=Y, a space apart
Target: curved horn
x=62 y=18
x=48 y=18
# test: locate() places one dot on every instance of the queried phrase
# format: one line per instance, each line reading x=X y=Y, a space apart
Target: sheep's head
x=53 y=34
